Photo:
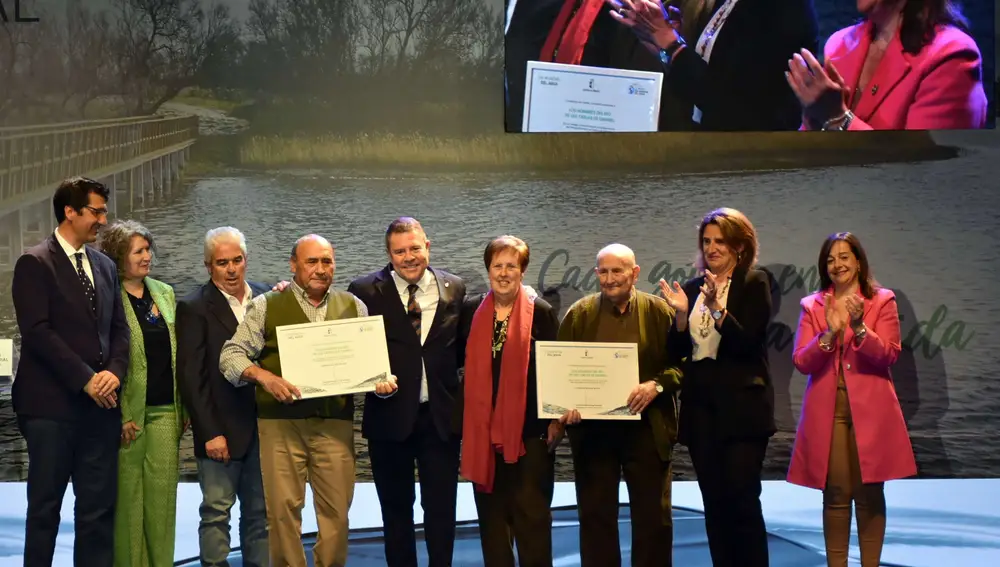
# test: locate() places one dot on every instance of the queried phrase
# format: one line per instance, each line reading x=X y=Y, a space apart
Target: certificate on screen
x=592 y=378
x=575 y=98
x=332 y=358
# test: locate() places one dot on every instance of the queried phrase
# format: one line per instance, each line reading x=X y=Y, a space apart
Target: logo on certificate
x=635 y=89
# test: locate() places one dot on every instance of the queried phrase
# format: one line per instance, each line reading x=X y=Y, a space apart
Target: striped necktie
x=413 y=308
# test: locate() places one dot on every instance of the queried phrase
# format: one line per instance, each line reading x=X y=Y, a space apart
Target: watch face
x=716 y=315
x=664 y=57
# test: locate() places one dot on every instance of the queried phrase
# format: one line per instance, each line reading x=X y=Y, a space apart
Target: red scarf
x=487 y=429
x=571 y=42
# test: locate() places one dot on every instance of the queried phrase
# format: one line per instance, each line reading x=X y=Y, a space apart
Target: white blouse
x=706 y=43
x=705 y=338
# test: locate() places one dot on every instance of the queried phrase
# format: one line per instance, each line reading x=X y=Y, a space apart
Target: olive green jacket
x=655 y=362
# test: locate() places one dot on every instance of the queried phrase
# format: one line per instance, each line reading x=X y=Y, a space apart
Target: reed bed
x=680 y=150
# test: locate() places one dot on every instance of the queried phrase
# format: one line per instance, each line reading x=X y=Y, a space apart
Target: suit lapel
x=219 y=307
x=394 y=311
x=893 y=67
x=66 y=270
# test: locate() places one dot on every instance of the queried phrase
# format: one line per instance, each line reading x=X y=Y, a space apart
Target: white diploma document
x=332 y=358
x=6 y=357
x=575 y=98
x=592 y=378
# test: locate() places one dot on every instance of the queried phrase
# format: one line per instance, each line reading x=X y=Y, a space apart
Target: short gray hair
x=222 y=234
x=116 y=241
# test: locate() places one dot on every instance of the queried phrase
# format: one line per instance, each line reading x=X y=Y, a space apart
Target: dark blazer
x=544 y=327
x=610 y=44
x=204 y=323
x=63 y=344
x=392 y=418
x=736 y=387
x=743 y=88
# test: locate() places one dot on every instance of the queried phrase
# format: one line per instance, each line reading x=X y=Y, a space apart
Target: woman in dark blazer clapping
x=727 y=400
x=734 y=72
x=507 y=452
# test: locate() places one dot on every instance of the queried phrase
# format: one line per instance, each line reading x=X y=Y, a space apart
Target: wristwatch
x=860 y=333
x=717 y=314
x=659 y=387
x=667 y=54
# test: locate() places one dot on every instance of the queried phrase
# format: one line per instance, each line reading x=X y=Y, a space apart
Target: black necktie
x=413 y=308
x=88 y=286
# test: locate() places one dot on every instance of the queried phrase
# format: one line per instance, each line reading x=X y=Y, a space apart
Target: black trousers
x=393 y=471
x=86 y=451
x=519 y=509
x=602 y=453
x=729 y=472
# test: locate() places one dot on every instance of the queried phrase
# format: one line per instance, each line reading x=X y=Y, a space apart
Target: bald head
x=617 y=273
x=314 y=239
x=619 y=252
x=313 y=265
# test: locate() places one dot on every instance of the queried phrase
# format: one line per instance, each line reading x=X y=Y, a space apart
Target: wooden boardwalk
x=139 y=158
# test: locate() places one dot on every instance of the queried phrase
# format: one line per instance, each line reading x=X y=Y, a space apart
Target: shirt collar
x=67 y=247
x=301 y=292
x=422 y=284
x=232 y=298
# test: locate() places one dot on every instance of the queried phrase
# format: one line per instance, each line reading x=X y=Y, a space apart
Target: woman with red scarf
x=507 y=452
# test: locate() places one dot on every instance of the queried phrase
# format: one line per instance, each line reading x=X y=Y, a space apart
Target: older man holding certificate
x=305 y=438
x=628 y=325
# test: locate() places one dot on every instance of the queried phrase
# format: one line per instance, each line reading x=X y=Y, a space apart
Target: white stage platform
x=931 y=523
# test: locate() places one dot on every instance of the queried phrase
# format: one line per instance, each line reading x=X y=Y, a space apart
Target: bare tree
x=87 y=52
x=379 y=26
x=162 y=44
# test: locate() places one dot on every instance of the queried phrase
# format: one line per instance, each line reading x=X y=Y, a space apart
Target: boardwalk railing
x=38 y=157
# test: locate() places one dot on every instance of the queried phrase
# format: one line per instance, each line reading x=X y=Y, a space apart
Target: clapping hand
x=655 y=26
x=855 y=309
x=710 y=291
x=675 y=296
x=835 y=319
x=819 y=87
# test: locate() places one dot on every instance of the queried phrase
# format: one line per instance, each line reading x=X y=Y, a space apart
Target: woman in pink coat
x=851 y=436
x=909 y=65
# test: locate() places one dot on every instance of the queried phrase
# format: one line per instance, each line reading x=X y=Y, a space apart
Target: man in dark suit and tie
x=223 y=417
x=420 y=306
x=74 y=352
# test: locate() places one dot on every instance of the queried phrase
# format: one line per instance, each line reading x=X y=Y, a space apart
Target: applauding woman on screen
x=909 y=65
x=851 y=435
x=732 y=72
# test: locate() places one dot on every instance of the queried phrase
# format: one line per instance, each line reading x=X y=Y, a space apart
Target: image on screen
x=748 y=65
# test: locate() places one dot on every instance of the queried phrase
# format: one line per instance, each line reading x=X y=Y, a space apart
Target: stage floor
x=931 y=523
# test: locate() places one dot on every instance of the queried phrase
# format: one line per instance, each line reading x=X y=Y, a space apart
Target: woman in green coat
x=152 y=415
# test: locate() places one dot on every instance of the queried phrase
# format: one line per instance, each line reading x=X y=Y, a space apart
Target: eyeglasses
x=97 y=212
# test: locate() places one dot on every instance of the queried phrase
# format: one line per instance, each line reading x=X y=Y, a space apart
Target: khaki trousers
x=293 y=451
x=843 y=485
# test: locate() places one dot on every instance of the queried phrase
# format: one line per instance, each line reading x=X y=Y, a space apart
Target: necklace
x=499 y=334
x=705 y=329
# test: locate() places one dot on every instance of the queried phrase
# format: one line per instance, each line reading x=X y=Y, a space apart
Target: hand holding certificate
x=334 y=358
x=596 y=379
x=575 y=98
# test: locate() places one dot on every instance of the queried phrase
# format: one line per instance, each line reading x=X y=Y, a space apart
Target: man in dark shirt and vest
x=641 y=451
x=300 y=440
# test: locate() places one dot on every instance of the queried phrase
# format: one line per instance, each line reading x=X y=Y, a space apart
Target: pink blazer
x=884 y=448
x=939 y=88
